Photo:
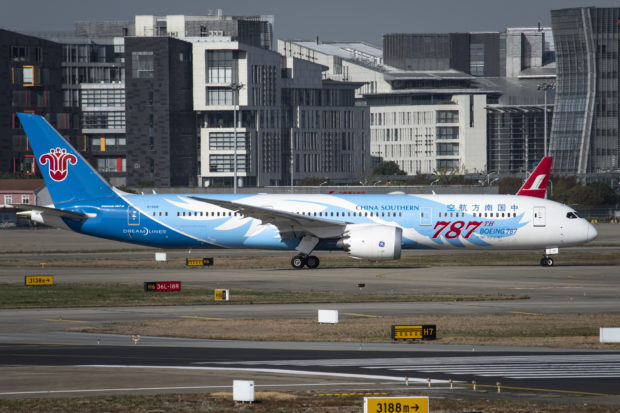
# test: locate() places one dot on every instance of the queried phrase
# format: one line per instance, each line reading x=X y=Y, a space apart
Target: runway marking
x=202 y=318
x=522 y=312
x=262 y=370
x=124 y=389
x=62 y=320
x=353 y=394
x=363 y=315
x=15 y=393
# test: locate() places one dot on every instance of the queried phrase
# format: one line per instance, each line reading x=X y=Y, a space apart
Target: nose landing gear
x=300 y=260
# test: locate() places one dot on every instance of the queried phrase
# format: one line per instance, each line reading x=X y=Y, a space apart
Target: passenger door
x=540 y=217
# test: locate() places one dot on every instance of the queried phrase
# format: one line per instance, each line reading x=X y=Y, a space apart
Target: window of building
x=219 y=96
x=452 y=164
x=476 y=59
x=111 y=164
x=103 y=120
x=19 y=52
x=142 y=65
x=447 y=116
x=447 y=149
x=219 y=66
x=224 y=140
x=103 y=98
x=30 y=75
x=224 y=163
x=8 y=199
x=447 y=132
x=25 y=199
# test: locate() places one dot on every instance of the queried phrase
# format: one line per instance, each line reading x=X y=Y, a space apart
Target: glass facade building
x=585 y=133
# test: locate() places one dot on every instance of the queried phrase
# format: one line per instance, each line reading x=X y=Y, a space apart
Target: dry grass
x=569 y=331
x=278 y=403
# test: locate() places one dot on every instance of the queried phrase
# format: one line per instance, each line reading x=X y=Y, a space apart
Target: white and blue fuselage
x=375 y=227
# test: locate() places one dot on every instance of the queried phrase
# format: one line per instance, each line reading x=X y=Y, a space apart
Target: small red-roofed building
x=16 y=191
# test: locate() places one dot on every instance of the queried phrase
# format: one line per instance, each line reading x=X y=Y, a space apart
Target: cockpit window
x=572 y=215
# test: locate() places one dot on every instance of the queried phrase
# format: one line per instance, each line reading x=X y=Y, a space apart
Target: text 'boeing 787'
x=373 y=227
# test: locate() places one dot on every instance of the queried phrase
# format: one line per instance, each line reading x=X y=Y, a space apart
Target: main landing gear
x=300 y=260
x=546 y=261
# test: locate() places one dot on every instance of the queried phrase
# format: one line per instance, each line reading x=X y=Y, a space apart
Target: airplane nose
x=592 y=233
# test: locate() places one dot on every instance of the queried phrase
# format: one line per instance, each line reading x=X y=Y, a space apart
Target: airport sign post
x=158 y=286
x=396 y=404
x=199 y=262
x=414 y=332
x=221 y=295
x=38 y=280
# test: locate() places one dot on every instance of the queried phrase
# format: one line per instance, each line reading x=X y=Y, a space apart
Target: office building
x=30 y=81
x=585 y=133
x=283 y=110
x=254 y=31
x=161 y=126
x=424 y=120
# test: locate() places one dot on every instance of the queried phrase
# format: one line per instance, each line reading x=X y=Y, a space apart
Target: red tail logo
x=536 y=184
x=59 y=161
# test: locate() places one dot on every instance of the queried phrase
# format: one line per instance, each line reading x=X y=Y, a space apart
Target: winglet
x=536 y=184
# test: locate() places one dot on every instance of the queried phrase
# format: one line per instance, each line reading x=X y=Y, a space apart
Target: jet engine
x=373 y=242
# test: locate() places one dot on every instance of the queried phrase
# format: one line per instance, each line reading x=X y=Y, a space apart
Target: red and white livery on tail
x=536 y=184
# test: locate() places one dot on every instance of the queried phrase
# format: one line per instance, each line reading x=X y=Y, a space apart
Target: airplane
x=372 y=227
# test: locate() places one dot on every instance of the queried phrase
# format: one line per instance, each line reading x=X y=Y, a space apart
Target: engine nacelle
x=373 y=242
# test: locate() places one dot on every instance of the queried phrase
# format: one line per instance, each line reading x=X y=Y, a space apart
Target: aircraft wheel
x=312 y=261
x=298 y=262
x=546 y=262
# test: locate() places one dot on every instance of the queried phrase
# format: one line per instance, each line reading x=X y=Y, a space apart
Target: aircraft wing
x=50 y=211
x=286 y=222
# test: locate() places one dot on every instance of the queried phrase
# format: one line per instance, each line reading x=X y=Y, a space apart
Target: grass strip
x=558 y=330
x=275 y=402
x=127 y=295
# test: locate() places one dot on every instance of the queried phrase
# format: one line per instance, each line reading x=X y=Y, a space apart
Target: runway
x=143 y=369
x=34 y=340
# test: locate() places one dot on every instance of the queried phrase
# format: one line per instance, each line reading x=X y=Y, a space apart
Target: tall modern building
x=161 y=125
x=585 y=133
x=290 y=124
x=30 y=81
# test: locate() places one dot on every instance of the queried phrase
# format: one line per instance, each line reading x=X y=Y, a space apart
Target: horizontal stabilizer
x=51 y=211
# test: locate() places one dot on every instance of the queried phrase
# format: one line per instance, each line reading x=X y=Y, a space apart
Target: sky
x=331 y=20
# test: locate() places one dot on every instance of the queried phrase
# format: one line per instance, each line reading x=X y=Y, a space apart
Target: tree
x=387 y=168
x=584 y=196
x=604 y=191
x=509 y=185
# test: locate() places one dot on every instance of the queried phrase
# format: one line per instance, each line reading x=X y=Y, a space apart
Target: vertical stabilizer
x=536 y=184
x=69 y=178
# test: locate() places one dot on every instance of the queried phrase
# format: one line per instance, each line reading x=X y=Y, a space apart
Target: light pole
x=545 y=87
x=235 y=89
